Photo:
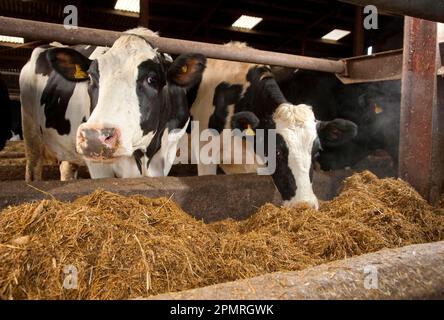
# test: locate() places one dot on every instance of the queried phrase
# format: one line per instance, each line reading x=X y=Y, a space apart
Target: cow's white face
x=295 y=137
x=128 y=73
x=135 y=92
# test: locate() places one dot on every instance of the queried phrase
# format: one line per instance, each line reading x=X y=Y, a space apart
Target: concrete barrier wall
x=411 y=272
x=209 y=197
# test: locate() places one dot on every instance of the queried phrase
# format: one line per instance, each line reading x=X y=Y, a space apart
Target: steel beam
x=425 y=9
x=56 y=32
x=421 y=145
x=377 y=67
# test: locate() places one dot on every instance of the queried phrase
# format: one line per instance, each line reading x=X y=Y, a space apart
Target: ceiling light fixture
x=246 y=22
x=11 y=39
x=336 y=34
x=128 y=5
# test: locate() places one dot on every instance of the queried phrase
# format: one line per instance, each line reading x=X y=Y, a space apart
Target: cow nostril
x=108 y=133
x=109 y=136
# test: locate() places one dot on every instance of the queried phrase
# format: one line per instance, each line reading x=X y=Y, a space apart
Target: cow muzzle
x=98 y=143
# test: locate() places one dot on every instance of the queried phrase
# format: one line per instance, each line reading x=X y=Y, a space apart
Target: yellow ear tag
x=184 y=69
x=79 y=74
x=378 y=109
x=249 y=131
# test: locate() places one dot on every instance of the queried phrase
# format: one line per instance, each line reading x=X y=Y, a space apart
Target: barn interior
x=294 y=27
x=381 y=195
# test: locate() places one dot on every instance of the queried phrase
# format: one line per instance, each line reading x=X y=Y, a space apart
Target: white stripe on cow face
x=118 y=103
x=297 y=126
x=160 y=165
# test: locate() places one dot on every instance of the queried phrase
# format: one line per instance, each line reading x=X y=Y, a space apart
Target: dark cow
x=16 y=120
x=5 y=115
x=240 y=95
x=123 y=109
x=10 y=119
x=373 y=107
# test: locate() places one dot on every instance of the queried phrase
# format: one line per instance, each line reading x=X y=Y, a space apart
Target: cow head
x=135 y=92
x=298 y=135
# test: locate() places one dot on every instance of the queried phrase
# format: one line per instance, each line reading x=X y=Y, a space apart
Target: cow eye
x=151 y=79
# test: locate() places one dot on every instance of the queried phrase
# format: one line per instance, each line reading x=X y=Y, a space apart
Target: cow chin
x=102 y=153
x=312 y=201
x=103 y=158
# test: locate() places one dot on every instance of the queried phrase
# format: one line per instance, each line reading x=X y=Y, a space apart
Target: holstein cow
x=238 y=95
x=123 y=109
x=373 y=107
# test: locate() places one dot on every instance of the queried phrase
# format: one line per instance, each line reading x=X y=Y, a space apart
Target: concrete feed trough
x=414 y=271
x=409 y=272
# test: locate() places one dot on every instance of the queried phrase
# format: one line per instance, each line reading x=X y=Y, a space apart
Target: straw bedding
x=127 y=247
x=15 y=148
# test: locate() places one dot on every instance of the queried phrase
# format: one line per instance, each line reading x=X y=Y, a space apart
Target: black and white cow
x=121 y=110
x=373 y=107
x=232 y=94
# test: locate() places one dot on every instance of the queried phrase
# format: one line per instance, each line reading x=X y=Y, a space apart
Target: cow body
x=120 y=110
x=52 y=110
x=232 y=93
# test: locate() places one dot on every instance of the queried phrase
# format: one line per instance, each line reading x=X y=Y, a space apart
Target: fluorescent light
x=128 y=5
x=246 y=22
x=336 y=34
x=11 y=39
x=370 y=50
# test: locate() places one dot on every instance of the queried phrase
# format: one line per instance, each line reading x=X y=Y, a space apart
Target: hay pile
x=127 y=247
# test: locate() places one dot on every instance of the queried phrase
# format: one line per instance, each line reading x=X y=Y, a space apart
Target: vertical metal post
x=421 y=148
x=144 y=13
x=437 y=178
x=80 y=12
x=358 y=32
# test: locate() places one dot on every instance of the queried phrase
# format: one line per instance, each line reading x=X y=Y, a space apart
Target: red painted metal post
x=421 y=147
x=358 y=32
x=144 y=13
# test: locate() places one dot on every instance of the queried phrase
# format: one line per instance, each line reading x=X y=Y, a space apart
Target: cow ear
x=245 y=120
x=283 y=74
x=69 y=63
x=187 y=69
x=336 y=132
